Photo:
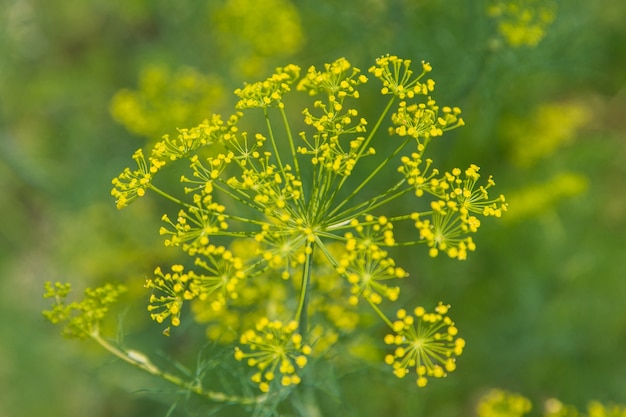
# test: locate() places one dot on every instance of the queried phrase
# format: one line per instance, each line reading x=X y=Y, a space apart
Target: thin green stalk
x=376 y=126
x=292 y=145
x=375 y=202
x=326 y=252
x=302 y=312
x=370 y=136
x=273 y=140
x=141 y=361
x=167 y=196
x=240 y=196
x=380 y=313
x=369 y=177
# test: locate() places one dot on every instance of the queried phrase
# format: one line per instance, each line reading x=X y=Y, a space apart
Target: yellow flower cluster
x=220 y=274
x=365 y=265
x=424 y=120
x=499 y=403
x=397 y=77
x=81 y=319
x=269 y=92
x=522 y=22
x=131 y=184
x=338 y=82
x=425 y=342
x=195 y=224
x=276 y=350
x=261 y=296
x=452 y=217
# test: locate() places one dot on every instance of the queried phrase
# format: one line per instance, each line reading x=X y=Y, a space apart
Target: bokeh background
x=542 y=85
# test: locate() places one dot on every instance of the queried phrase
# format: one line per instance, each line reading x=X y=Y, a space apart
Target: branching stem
x=142 y=362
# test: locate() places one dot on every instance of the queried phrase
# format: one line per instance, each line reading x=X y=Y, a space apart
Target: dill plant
x=284 y=252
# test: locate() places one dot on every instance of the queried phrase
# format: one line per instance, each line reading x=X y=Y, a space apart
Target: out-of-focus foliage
x=539 y=302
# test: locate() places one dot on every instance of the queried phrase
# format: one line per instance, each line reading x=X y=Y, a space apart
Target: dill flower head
x=425 y=342
x=276 y=350
x=318 y=240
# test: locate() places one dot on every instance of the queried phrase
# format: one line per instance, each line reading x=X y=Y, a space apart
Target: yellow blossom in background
x=522 y=22
x=499 y=403
x=535 y=199
x=597 y=409
x=166 y=99
x=549 y=127
x=554 y=408
x=252 y=31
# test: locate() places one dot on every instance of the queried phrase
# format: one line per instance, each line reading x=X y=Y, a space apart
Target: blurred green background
x=541 y=303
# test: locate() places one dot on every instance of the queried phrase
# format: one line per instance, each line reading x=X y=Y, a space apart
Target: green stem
x=369 y=177
x=380 y=313
x=167 y=196
x=141 y=361
x=376 y=126
x=273 y=140
x=302 y=312
x=363 y=149
x=291 y=142
x=369 y=205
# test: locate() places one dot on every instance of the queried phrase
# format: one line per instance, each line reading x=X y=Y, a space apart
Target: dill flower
x=425 y=342
x=276 y=350
x=365 y=265
x=315 y=245
x=172 y=288
x=268 y=92
x=397 y=77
